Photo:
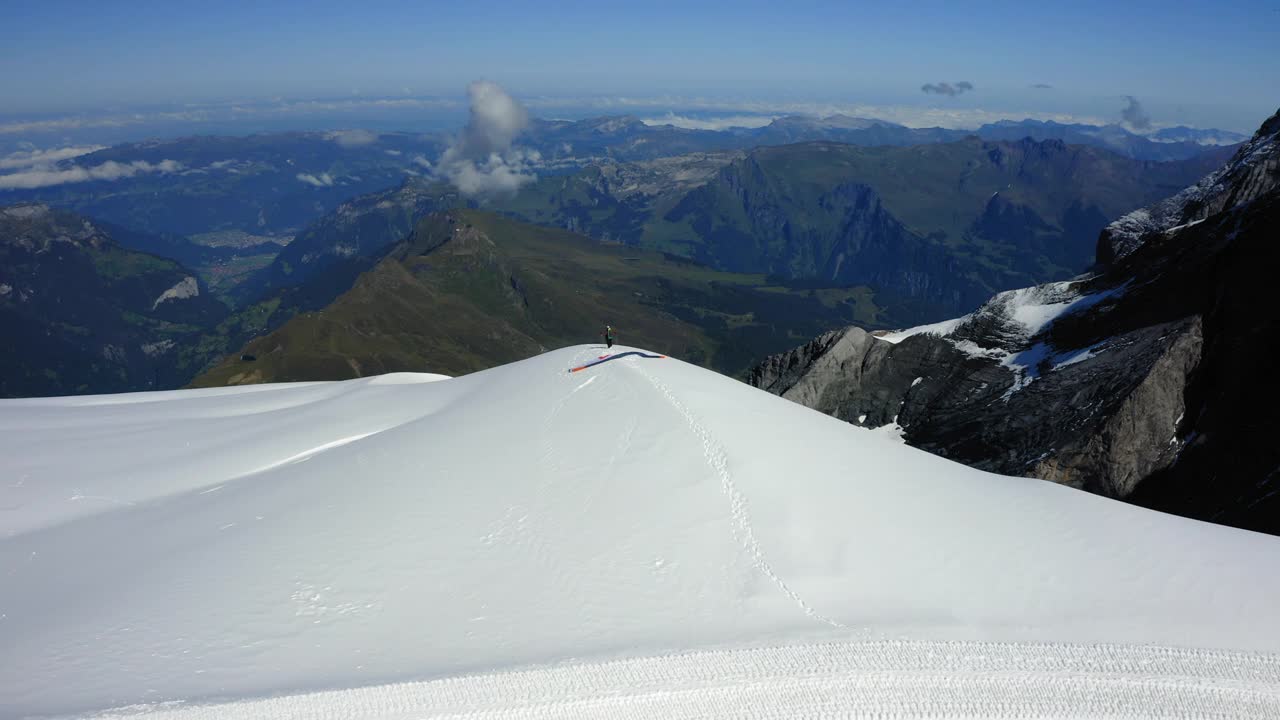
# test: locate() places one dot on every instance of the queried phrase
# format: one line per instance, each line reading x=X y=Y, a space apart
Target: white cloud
x=1133 y=114
x=110 y=170
x=481 y=159
x=946 y=88
x=34 y=158
x=321 y=180
x=499 y=173
x=496 y=119
x=715 y=123
x=393 y=153
x=353 y=138
x=421 y=160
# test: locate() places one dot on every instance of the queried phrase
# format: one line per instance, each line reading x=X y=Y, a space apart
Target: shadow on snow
x=609 y=358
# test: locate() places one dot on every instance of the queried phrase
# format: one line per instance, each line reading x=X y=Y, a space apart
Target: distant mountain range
x=1150 y=379
x=1163 y=145
x=884 y=235
x=629 y=138
x=933 y=229
x=275 y=184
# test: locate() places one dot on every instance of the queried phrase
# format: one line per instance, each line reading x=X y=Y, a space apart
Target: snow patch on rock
x=186 y=288
x=891 y=431
x=1011 y=321
x=159 y=347
x=1018 y=314
x=941 y=329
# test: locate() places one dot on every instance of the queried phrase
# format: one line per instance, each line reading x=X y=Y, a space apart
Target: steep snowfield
x=642 y=538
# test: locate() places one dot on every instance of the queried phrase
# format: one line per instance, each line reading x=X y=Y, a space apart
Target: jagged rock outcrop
x=1151 y=379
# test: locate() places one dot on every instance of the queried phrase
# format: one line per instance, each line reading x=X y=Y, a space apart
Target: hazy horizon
x=109 y=126
x=178 y=68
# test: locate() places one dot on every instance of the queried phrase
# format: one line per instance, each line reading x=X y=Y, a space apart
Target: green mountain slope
x=470 y=290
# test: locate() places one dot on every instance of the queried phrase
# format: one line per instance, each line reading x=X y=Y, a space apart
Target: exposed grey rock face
x=1150 y=380
x=1101 y=423
x=828 y=374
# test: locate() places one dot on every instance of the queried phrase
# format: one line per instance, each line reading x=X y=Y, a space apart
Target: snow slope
x=642 y=538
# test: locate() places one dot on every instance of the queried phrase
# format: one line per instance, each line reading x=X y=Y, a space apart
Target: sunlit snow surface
x=643 y=538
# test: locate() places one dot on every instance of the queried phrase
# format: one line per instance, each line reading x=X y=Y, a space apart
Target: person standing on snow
x=608 y=335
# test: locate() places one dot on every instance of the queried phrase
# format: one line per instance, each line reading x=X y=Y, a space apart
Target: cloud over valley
x=482 y=159
x=111 y=170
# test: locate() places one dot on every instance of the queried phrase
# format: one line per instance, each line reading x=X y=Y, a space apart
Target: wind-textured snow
x=640 y=539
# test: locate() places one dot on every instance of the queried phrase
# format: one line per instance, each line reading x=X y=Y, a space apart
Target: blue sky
x=1196 y=63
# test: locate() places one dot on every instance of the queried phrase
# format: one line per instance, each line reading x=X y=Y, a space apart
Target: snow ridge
x=718 y=459
x=645 y=539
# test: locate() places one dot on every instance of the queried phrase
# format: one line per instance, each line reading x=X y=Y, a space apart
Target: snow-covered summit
x=642 y=538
